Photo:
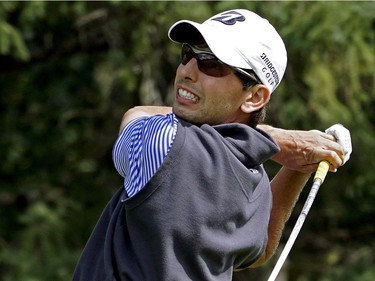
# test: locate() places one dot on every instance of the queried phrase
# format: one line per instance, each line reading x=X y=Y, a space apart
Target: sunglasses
x=209 y=64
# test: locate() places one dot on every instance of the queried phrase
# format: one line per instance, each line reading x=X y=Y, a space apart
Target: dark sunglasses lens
x=186 y=54
x=207 y=63
x=213 y=67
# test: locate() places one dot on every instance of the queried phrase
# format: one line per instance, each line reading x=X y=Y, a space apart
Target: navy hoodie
x=203 y=214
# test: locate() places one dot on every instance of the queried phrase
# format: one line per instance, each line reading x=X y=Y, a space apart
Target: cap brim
x=186 y=31
x=191 y=32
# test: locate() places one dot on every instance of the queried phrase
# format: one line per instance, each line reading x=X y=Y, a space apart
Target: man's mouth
x=187 y=95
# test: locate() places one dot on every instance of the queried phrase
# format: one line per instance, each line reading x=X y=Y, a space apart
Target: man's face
x=205 y=99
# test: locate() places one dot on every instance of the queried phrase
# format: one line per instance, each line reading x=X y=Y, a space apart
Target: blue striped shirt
x=141 y=148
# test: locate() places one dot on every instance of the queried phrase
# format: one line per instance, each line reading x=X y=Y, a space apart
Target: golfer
x=197 y=203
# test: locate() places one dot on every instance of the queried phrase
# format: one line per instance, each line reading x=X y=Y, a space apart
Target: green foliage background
x=69 y=70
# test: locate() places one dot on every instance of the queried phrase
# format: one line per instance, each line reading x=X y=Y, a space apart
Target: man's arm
x=301 y=152
x=143 y=111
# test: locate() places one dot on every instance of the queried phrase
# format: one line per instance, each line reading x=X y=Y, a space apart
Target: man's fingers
x=342 y=136
x=335 y=159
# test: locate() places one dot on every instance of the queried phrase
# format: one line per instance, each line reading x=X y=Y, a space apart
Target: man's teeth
x=185 y=94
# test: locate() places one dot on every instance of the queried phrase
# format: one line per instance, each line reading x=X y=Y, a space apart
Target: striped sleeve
x=141 y=148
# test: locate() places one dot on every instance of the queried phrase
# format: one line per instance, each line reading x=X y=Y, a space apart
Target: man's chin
x=185 y=116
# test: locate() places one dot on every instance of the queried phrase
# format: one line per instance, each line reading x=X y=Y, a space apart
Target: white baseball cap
x=239 y=38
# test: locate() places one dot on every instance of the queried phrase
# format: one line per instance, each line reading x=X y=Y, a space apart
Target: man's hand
x=342 y=136
x=303 y=150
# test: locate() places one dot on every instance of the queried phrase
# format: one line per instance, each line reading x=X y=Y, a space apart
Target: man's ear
x=258 y=96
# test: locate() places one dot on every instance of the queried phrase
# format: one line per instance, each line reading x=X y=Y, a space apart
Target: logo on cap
x=230 y=18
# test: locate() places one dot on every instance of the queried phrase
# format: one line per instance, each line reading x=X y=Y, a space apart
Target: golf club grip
x=322 y=171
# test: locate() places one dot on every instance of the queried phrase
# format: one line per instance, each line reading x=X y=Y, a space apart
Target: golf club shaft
x=318 y=180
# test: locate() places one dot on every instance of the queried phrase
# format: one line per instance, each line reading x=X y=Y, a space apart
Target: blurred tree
x=69 y=70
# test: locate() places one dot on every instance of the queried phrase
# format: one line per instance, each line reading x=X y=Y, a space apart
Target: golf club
x=318 y=180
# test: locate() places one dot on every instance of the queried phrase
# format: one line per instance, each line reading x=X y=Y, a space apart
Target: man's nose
x=190 y=70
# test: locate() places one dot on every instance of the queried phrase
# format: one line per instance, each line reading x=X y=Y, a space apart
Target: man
x=196 y=202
